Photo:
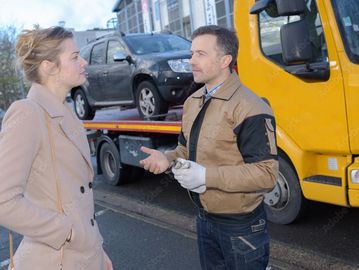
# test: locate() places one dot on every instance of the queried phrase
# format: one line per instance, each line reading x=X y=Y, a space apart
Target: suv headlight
x=180 y=65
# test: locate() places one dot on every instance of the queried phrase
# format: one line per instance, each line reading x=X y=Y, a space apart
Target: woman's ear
x=47 y=68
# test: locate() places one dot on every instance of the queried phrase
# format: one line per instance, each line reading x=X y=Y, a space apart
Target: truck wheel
x=82 y=107
x=149 y=101
x=285 y=203
x=114 y=172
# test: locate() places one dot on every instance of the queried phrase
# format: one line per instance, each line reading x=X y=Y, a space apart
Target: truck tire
x=113 y=171
x=148 y=100
x=285 y=203
x=82 y=107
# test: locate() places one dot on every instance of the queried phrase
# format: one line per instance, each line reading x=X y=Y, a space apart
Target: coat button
x=82 y=189
x=94 y=216
x=92 y=222
x=90 y=185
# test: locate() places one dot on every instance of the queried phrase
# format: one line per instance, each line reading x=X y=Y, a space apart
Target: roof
x=116 y=7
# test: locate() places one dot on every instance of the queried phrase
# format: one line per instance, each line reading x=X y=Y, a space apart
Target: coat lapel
x=74 y=131
x=69 y=124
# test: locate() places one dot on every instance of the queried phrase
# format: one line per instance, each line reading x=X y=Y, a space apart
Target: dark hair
x=227 y=40
x=37 y=45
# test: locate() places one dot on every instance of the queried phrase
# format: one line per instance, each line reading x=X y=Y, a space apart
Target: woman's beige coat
x=28 y=194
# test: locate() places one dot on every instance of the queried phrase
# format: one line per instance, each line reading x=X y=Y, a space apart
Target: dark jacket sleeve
x=180 y=151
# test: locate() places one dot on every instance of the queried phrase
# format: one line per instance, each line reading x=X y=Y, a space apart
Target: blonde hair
x=37 y=45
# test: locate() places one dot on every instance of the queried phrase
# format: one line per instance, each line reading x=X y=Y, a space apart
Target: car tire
x=285 y=203
x=114 y=172
x=149 y=102
x=82 y=107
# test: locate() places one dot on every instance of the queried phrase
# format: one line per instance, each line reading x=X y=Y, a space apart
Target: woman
x=46 y=172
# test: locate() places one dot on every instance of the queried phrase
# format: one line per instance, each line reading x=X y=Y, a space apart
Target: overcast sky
x=78 y=14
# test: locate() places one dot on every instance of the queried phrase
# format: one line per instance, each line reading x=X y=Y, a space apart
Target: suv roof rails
x=166 y=32
x=162 y=32
x=120 y=33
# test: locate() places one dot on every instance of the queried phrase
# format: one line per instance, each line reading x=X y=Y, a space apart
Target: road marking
x=5 y=263
x=153 y=221
x=101 y=212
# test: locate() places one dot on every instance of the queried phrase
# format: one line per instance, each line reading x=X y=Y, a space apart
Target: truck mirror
x=259 y=6
x=290 y=7
x=282 y=7
x=297 y=53
x=296 y=46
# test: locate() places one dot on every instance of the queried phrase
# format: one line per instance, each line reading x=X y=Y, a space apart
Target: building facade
x=178 y=16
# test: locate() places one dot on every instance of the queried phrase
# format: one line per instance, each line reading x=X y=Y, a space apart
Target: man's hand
x=191 y=175
x=108 y=262
x=156 y=163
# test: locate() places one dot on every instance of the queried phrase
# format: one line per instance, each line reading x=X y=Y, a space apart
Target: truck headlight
x=355 y=176
x=180 y=65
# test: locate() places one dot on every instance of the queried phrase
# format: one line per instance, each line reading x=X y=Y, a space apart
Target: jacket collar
x=47 y=100
x=225 y=92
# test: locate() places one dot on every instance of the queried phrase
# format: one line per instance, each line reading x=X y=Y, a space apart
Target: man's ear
x=226 y=61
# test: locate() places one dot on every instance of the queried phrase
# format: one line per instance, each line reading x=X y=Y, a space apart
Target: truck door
x=310 y=112
x=346 y=16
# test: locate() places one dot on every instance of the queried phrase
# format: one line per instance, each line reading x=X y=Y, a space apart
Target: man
x=227 y=157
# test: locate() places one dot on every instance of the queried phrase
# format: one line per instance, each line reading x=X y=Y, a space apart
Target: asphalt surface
x=149 y=224
x=133 y=243
x=329 y=232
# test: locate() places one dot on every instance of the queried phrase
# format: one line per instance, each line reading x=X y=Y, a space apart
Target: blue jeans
x=233 y=242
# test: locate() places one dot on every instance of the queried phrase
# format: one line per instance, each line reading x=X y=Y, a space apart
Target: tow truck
x=302 y=56
x=116 y=136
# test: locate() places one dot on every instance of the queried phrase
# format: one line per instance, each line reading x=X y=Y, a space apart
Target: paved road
x=148 y=224
x=329 y=232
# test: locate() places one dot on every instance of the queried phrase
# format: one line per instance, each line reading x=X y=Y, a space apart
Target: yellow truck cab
x=302 y=56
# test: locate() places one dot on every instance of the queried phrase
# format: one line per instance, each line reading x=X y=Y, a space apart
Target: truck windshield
x=346 y=12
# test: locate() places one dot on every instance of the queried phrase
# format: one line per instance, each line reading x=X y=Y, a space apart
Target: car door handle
x=105 y=73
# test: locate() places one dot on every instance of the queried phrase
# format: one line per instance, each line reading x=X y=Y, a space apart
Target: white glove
x=190 y=175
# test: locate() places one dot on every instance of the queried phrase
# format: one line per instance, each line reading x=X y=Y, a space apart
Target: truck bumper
x=353 y=191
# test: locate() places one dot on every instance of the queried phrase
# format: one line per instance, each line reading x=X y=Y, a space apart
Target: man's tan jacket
x=233 y=136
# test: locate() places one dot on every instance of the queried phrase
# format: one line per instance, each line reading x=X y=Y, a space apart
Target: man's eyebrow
x=76 y=52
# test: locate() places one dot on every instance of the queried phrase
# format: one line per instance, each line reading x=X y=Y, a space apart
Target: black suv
x=150 y=71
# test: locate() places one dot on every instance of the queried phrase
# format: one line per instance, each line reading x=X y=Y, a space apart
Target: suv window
x=156 y=44
x=269 y=28
x=98 y=54
x=114 y=46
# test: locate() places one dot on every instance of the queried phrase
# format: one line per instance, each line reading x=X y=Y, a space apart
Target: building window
x=222 y=12
x=130 y=17
x=174 y=17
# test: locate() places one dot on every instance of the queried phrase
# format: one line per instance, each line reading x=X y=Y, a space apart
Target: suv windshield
x=348 y=20
x=145 y=44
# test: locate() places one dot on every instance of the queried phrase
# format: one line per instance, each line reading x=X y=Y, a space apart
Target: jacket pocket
x=271 y=136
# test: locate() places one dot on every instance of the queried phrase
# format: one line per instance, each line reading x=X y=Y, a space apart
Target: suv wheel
x=149 y=101
x=82 y=107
